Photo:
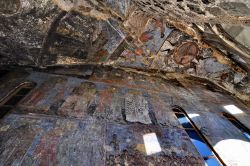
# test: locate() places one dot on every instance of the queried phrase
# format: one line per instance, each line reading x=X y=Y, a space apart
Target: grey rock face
x=137 y=109
x=212 y=66
x=130 y=34
x=23 y=30
x=216 y=11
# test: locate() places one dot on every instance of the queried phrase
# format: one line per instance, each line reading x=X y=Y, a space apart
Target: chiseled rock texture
x=137 y=109
x=123 y=34
x=43 y=32
x=103 y=118
x=213 y=11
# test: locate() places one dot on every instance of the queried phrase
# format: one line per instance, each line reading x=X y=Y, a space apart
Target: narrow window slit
x=183 y=120
x=24 y=91
x=245 y=131
x=15 y=98
x=210 y=157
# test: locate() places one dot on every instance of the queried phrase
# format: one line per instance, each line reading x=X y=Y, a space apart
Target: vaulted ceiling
x=202 y=38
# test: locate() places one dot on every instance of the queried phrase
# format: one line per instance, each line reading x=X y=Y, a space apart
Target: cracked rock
x=137 y=109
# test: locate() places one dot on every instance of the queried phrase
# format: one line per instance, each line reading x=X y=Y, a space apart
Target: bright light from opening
x=233 y=151
x=232 y=109
x=152 y=145
x=193 y=115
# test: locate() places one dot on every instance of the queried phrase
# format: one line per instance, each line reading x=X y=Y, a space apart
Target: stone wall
x=102 y=118
x=36 y=32
x=212 y=11
x=129 y=34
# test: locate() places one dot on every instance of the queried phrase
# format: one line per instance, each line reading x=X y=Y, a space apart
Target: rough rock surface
x=115 y=117
x=135 y=34
x=214 y=11
x=137 y=109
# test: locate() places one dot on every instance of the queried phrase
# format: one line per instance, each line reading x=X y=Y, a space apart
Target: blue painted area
x=48 y=99
x=145 y=94
x=10 y=119
x=34 y=144
x=38 y=78
x=74 y=82
x=119 y=134
x=47 y=124
x=81 y=126
x=124 y=90
x=100 y=86
x=66 y=93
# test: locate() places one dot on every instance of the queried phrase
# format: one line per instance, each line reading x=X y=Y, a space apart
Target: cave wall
x=213 y=11
x=36 y=32
x=101 y=118
x=126 y=34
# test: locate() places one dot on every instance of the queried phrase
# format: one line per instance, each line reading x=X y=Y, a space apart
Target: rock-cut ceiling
x=202 y=38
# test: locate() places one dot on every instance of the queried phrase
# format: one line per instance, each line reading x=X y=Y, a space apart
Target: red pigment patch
x=185 y=53
x=159 y=24
x=139 y=51
x=46 y=150
x=102 y=53
x=36 y=96
x=145 y=37
x=105 y=99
